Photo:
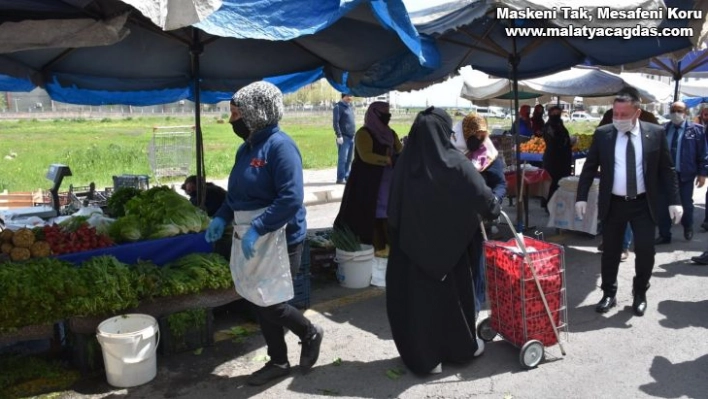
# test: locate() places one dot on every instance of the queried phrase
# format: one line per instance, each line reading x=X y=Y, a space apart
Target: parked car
x=488 y=112
x=583 y=116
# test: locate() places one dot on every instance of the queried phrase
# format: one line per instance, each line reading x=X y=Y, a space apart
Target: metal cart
x=171 y=151
x=527 y=295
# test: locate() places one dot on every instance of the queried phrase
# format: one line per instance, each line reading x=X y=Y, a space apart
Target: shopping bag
x=264 y=279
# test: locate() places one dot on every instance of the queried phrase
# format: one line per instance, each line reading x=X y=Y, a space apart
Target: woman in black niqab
x=436 y=201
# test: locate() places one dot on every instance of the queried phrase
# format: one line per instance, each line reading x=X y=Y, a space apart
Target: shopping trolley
x=526 y=293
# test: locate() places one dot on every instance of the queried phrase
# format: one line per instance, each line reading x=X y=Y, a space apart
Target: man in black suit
x=635 y=163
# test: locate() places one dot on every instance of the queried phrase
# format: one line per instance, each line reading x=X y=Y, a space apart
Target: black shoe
x=600 y=247
x=639 y=305
x=605 y=304
x=704 y=225
x=662 y=240
x=269 y=372
x=701 y=259
x=311 y=349
x=341 y=182
x=688 y=233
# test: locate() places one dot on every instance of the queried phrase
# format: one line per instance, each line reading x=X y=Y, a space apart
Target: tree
x=316 y=93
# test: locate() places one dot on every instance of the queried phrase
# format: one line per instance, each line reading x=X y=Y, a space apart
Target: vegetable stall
x=90 y=265
x=144 y=251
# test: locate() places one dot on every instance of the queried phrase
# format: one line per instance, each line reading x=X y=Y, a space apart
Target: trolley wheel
x=531 y=354
x=485 y=331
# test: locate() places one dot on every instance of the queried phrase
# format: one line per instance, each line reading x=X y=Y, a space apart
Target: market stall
x=98 y=261
x=143 y=251
x=536 y=181
x=561 y=207
x=533 y=149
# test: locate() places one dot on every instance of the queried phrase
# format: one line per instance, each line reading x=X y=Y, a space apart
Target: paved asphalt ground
x=616 y=355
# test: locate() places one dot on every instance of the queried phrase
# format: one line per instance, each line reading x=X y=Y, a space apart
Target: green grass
x=97 y=149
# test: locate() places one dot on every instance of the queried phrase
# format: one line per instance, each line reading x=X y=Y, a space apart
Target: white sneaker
x=437 y=369
x=480 y=348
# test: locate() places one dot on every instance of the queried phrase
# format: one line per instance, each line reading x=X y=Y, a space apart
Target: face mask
x=554 y=118
x=677 y=118
x=623 y=125
x=384 y=117
x=473 y=143
x=240 y=128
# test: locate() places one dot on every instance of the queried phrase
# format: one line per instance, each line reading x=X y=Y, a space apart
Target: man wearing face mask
x=703 y=120
x=265 y=204
x=364 y=206
x=635 y=165
x=687 y=144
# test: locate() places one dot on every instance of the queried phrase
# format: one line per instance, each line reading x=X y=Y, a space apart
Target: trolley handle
x=519 y=238
x=520 y=242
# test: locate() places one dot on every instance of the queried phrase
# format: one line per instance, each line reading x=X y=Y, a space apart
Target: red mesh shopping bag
x=517 y=310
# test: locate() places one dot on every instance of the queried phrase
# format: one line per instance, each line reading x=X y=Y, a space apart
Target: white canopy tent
x=593 y=84
x=695 y=88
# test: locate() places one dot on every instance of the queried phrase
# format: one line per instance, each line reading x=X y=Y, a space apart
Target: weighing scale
x=56 y=174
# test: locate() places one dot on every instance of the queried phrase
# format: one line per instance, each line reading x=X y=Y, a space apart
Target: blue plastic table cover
x=159 y=251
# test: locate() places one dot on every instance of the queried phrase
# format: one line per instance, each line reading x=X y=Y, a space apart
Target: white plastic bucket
x=355 y=268
x=129 y=343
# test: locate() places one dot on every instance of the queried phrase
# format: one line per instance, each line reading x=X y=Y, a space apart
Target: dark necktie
x=631 y=167
x=674 y=143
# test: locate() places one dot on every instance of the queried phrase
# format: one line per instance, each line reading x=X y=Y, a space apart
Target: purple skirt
x=384 y=188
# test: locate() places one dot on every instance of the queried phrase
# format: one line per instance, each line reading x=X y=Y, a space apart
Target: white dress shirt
x=619 y=185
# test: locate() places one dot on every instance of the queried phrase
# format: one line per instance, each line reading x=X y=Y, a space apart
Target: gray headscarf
x=260 y=103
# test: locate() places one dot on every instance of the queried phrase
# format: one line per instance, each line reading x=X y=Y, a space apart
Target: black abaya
x=436 y=201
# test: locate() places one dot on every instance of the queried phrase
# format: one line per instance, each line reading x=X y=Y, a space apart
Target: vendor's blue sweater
x=268 y=174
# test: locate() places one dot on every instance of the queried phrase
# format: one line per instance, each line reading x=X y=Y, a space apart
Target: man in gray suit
x=635 y=164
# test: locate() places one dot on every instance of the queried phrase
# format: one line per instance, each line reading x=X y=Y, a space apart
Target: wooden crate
x=16 y=200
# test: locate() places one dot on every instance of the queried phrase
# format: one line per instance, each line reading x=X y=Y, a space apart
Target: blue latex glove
x=248 y=243
x=215 y=229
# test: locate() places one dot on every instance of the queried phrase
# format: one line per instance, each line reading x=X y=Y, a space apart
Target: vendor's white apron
x=264 y=279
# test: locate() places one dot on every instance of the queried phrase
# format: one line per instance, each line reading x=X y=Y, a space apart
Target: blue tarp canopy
x=364 y=47
x=468 y=32
x=694 y=101
x=694 y=62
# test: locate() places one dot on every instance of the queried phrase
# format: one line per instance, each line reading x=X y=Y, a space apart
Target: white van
x=488 y=112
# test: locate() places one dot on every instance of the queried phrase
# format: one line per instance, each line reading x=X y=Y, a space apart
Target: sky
x=446 y=94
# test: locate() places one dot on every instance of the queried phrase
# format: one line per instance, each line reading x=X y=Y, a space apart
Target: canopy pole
x=677 y=81
x=514 y=62
x=195 y=52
